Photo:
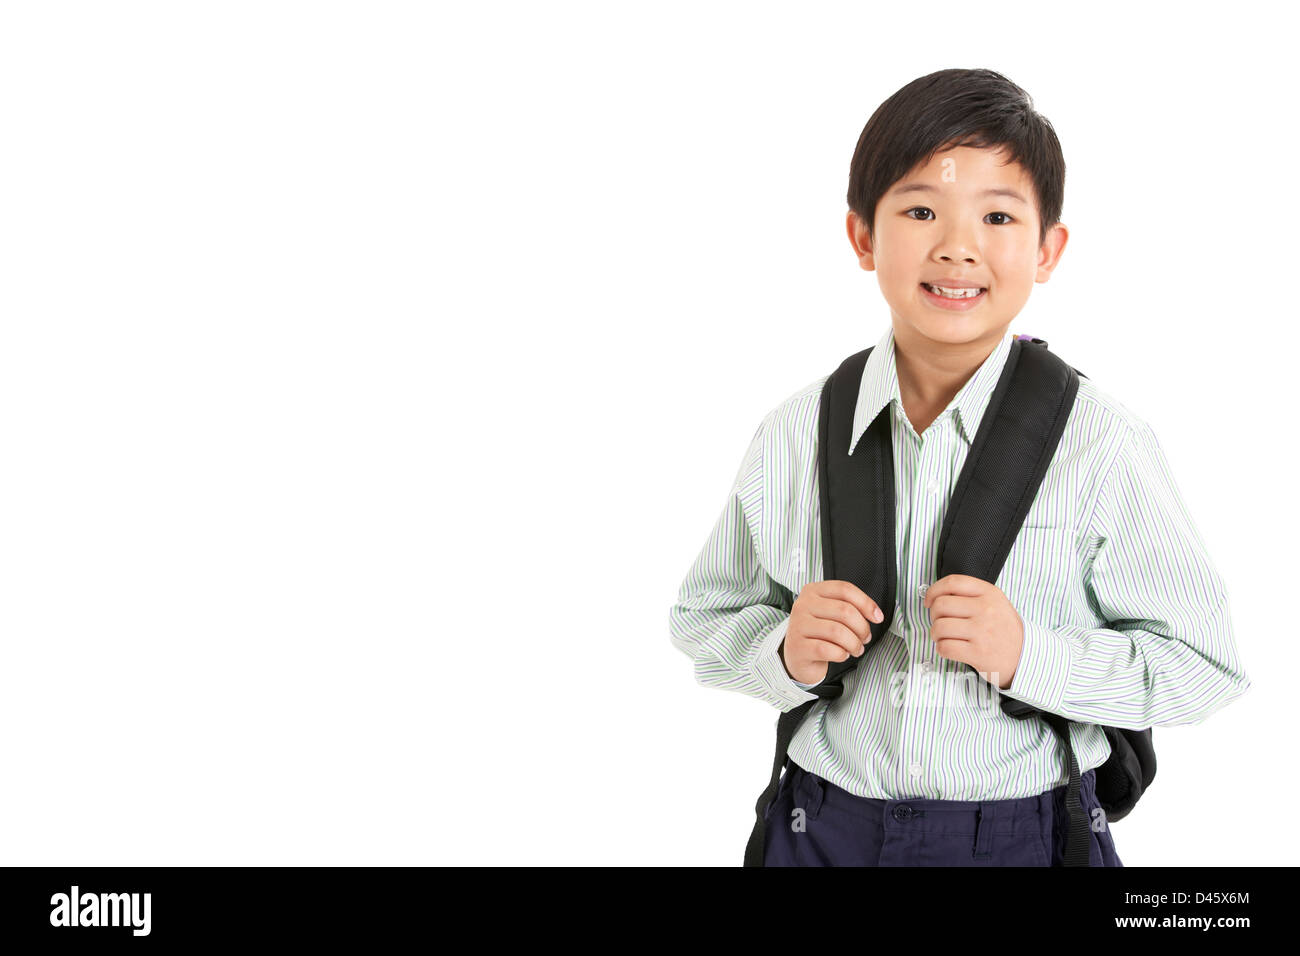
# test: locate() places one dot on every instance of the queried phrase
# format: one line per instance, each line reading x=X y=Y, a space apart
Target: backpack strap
x=1008 y=458
x=857 y=518
x=1017 y=438
x=1131 y=767
x=1014 y=445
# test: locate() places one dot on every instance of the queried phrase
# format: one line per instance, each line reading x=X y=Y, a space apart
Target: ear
x=860 y=239
x=1050 y=252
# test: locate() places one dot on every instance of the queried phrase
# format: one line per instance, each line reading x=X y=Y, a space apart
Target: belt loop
x=812 y=790
x=985 y=816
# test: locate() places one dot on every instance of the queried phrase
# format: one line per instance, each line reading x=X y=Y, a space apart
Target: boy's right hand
x=828 y=622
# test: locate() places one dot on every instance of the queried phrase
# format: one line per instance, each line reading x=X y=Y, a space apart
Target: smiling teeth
x=953 y=293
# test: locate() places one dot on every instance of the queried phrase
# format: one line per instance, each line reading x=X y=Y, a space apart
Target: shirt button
x=933 y=486
x=922 y=589
x=925 y=667
x=915 y=770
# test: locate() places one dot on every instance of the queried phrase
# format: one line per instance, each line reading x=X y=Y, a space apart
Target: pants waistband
x=814 y=793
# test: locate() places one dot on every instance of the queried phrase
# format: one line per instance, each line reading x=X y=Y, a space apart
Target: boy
x=1107 y=611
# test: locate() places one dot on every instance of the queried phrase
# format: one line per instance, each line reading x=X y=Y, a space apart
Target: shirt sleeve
x=1167 y=655
x=731 y=616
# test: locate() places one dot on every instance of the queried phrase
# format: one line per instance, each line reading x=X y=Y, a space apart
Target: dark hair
x=978 y=108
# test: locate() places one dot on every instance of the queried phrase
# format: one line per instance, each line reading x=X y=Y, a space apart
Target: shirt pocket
x=1040 y=572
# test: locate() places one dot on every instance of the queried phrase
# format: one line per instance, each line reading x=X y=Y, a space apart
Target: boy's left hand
x=973 y=621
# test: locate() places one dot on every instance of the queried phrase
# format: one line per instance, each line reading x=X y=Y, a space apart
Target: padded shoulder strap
x=857 y=503
x=1015 y=443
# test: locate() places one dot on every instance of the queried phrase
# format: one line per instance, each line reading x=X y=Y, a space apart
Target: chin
x=957 y=329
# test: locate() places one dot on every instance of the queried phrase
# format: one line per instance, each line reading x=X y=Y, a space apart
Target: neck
x=928 y=376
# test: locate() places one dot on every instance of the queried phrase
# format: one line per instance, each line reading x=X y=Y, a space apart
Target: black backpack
x=1016 y=440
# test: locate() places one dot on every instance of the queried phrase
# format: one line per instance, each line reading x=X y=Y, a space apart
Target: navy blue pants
x=838 y=828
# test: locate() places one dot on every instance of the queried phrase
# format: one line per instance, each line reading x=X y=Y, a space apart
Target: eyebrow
x=923 y=188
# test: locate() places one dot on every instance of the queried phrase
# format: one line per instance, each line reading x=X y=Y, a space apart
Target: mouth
x=958 y=299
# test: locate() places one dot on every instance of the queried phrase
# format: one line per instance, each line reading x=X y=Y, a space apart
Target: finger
x=832 y=609
x=954 y=649
x=848 y=591
x=948 y=641
x=963 y=585
x=952 y=605
x=827 y=651
x=837 y=633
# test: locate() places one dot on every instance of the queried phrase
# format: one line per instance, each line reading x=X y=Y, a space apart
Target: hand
x=973 y=621
x=828 y=622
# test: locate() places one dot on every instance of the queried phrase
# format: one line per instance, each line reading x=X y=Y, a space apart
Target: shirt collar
x=880 y=386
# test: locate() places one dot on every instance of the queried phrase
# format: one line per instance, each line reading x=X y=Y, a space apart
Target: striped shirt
x=1126 y=618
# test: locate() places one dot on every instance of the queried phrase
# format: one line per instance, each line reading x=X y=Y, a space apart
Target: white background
x=372 y=373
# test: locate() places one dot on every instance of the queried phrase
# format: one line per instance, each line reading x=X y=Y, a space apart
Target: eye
x=1006 y=218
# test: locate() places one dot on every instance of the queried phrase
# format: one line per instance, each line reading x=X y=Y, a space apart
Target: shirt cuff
x=772 y=672
x=1044 y=670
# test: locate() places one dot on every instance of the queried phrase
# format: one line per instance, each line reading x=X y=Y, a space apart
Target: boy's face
x=940 y=223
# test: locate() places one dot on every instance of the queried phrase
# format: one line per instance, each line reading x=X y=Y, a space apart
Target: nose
x=957 y=243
